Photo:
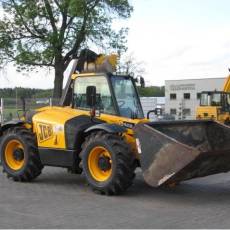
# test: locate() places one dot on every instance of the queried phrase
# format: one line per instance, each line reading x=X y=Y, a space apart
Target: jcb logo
x=45 y=132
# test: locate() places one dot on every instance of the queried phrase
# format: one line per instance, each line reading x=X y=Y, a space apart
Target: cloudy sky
x=176 y=39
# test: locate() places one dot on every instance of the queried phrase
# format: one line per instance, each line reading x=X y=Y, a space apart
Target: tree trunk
x=58 y=81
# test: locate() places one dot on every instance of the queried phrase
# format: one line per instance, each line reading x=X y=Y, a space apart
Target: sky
x=175 y=39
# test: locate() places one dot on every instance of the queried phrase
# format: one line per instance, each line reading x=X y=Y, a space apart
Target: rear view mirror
x=91 y=96
x=140 y=81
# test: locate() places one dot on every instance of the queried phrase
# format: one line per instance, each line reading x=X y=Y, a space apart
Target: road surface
x=60 y=200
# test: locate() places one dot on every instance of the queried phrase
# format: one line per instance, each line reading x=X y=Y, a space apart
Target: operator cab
x=114 y=95
x=216 y=98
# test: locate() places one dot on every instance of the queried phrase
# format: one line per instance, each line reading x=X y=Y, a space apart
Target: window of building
x=172 y=96
x=172 y=111
x=187 y=96
x=198 y=95
x=187 y=112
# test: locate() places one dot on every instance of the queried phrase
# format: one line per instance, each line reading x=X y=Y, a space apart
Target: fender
x=109 y=128
x=9 y=124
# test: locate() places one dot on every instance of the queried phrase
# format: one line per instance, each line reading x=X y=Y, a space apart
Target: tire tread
x=125 y=163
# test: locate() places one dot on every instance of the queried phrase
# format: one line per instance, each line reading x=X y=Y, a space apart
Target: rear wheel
x=108 y=163
x=19 y=155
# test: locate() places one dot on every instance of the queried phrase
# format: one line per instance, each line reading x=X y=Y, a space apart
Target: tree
x=152 y=91
x=130 y=65
x=47 y=33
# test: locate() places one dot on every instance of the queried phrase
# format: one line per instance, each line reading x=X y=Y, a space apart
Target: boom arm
x=87 y=62
x=227 y=85
x=67 y=93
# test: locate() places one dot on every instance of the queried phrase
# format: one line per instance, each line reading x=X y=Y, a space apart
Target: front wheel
x=108 y=163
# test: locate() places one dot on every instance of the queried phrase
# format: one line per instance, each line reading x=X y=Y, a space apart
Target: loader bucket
x=175 y=151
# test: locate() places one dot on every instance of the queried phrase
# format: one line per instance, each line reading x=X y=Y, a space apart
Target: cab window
x=205 y=99
x=104 y=101
x=127 y=98
x=216 y=99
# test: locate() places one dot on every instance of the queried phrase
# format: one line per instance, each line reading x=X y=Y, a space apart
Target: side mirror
x=140 y=80
x=91 y=96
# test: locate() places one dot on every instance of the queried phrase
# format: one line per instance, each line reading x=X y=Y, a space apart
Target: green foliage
x=49 y=32
x=25 y=92
x=152 y=91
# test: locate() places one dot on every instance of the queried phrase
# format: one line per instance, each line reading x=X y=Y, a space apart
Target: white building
x=183 y=96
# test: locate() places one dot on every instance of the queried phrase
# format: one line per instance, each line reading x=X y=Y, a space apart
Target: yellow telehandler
x=215 y=105
x=99 y=129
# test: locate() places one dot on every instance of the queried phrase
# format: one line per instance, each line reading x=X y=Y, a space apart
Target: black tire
x=122 y=167
x=32 y=166
x=227 y=122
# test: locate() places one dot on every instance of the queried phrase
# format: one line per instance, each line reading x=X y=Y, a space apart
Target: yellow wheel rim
x=96 y=155
x=14 y=155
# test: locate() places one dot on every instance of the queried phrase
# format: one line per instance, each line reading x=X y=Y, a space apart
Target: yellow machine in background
x=215 y=104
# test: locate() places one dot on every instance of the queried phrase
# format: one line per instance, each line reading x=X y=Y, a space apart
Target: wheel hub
x=100 y=164
x=104 y=163
x=18 y=154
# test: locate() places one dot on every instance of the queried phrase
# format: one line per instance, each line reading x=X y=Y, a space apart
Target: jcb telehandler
x=215 y=105
x=100 y=130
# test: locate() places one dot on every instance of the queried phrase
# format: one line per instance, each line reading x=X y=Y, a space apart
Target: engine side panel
x=55 y=127
x=49 y=126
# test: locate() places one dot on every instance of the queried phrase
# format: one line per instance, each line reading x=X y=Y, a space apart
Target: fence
x=13 y=108
x=1 y=110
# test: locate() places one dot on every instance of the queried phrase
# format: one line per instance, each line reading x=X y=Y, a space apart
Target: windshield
x=127 y=98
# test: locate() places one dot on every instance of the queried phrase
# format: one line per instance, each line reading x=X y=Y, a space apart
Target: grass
x=10 y=113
